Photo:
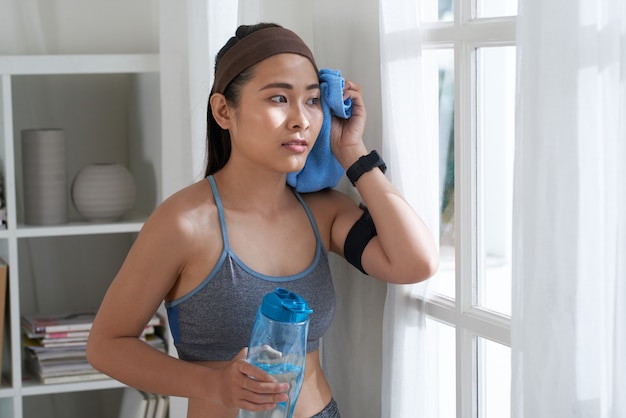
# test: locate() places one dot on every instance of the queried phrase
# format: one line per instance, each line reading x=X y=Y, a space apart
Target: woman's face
x=279 y=115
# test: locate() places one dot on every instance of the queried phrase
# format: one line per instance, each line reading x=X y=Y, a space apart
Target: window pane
x=494 y=380
x=438 y=73
x=437 y=10
x=441 y=357
x=496 y=8
x=496 y=139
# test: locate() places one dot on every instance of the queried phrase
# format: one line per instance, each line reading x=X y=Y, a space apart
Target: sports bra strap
x=311 y=218
x=220 y=211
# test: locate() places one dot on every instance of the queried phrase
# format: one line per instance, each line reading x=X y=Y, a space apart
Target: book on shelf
x=162 y=406
x=58 y=364
x=3 y=306
x=134 y=404
x=3 y=206
x=71 y=338
x=55 y=356
x=139 y=404
x=66 y=322
x=62 y=322
x=56 y=380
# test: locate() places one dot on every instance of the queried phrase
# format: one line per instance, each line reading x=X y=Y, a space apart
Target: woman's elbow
x=95 y=353
x=430 y=266
x=420 y=268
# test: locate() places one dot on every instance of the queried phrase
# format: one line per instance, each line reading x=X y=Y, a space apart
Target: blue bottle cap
x=285 y=306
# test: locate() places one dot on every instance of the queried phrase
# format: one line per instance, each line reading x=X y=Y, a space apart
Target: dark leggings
x=330 y=411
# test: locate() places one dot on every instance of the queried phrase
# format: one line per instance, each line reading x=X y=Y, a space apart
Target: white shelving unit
x=109 y=107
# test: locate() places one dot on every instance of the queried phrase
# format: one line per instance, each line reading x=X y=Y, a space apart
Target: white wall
x=78 y=26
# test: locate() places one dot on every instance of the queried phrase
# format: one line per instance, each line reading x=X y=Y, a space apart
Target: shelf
x=109 y=106
x=33 y=388
x=78 y=64
x=79 y=228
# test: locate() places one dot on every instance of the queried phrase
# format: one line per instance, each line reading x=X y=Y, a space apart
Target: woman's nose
x=298 y=118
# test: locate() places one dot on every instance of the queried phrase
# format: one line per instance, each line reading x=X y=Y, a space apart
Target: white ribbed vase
x=103 y=192
x=44 y=177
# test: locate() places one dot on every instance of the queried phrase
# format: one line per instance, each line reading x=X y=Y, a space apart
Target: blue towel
x=322 y=170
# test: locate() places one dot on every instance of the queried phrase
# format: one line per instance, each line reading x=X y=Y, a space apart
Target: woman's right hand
x=246 y=386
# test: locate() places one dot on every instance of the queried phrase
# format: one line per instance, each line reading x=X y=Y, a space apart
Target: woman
x=213 y=249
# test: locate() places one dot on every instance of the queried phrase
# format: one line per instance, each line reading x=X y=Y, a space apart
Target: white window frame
x=465 y=34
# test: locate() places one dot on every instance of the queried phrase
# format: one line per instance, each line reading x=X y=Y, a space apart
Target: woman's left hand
x=346 y=135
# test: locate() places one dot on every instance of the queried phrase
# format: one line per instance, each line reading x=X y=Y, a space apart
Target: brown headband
x=253 y=49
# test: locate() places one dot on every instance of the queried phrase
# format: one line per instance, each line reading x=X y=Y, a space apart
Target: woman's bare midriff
x=314 y=396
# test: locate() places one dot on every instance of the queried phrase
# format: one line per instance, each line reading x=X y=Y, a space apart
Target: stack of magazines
x=55 y=345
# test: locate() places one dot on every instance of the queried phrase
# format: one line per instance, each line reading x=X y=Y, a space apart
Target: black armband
x=359 y=236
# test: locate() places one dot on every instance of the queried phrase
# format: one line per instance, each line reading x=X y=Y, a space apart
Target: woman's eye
x=313 y=101
x=279 y=99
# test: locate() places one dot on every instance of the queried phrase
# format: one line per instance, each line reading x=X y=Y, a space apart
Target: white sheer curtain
x=413 y=168
x=569 y=306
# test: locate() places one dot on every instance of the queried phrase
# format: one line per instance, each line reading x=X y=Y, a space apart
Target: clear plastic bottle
x=278 y=346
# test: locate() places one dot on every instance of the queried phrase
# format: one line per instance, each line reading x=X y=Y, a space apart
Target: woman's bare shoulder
x=186 y=213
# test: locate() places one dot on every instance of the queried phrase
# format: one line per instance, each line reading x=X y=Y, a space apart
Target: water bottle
x=278 y=346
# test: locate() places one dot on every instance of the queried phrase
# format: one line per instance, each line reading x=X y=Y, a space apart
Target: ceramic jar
x=103 y=192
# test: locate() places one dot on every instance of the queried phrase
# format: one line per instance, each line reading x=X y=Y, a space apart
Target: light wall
x=79 y=27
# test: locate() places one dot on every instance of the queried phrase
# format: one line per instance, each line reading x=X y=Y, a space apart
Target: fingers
x=260 y=390
x=264 y=388
x=249 y=370
x=250 y=387
x=253 y=372
x=264 y=393
x=260 y=382
x=354 y=92
x=350 y=88
x=347 y=134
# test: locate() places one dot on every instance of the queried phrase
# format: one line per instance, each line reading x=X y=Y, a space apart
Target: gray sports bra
x=213 y=322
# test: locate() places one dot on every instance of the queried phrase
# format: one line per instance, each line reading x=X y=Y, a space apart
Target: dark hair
x=218 y=139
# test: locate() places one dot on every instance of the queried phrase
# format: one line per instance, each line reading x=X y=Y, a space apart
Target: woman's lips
x=296 y=145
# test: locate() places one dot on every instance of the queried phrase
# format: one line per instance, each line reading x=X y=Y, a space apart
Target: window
x=469 y=81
